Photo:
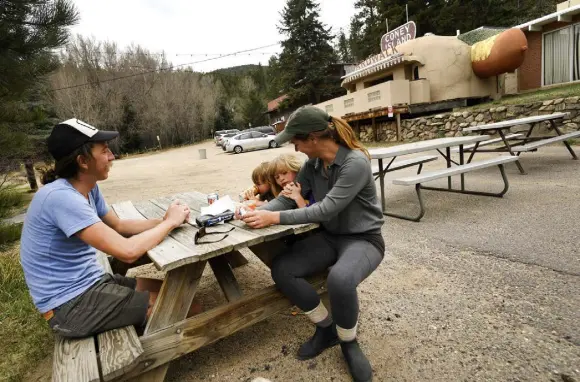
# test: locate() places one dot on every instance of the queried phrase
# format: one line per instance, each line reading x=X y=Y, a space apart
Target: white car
x=253 y=140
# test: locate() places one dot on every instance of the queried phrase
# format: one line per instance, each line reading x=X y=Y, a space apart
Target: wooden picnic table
x=523 y=143
x=168 y=333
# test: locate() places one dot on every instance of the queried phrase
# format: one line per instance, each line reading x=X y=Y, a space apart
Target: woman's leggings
x=352 y=261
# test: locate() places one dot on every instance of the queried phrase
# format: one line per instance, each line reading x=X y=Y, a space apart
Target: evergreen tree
x=29 y=32
x=304 y=64
x=343 y=48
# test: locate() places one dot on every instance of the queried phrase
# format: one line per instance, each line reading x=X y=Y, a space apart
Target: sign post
x=397 y=36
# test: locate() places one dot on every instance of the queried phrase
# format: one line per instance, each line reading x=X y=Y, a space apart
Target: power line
x=162 y=69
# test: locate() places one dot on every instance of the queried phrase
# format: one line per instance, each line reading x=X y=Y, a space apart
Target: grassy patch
x=25 y=338
x=571 y=90
x=9 y=233
x=11 y=199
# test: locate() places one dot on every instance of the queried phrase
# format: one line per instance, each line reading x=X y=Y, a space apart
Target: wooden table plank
x=238 y=238
x=166 y=253
x=225 y=277
x=118 y=350
x=189 y=335
x=195 y=199
x=75 y=360
x=172 y=305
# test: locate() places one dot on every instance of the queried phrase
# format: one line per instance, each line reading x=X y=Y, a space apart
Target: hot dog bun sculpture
x=501 y=53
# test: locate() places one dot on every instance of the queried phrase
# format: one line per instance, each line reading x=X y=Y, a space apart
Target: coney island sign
x=398 y=36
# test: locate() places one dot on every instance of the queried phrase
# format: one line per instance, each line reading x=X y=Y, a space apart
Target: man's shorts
x=112 y=302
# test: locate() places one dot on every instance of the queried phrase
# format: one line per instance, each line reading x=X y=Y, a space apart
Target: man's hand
x=261 y=219
x=292 y=191
x=177 y=213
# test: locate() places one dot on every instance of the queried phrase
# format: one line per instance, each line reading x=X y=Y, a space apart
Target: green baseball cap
x=303 y=121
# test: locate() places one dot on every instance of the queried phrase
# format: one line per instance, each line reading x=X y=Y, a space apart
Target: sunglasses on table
x=202 y=232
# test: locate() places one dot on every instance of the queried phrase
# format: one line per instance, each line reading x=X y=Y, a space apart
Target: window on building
x=562 y=55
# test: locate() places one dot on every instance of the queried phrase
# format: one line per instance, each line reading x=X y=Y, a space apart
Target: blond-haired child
x=283 y=171
x=261 y=191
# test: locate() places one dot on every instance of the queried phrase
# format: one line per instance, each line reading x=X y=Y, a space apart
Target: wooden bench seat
x=535 y=145
x=401 y=164
x=418 y=179
x=489 y=142
x=116 y=351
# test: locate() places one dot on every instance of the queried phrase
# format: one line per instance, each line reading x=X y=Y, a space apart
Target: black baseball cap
x=71 y=134
x=305 y=120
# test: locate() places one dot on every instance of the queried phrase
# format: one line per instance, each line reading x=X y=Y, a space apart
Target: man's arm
x=128 y=250
x=129 y=227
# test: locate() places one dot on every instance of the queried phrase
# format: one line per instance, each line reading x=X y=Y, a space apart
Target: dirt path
x=483 y=289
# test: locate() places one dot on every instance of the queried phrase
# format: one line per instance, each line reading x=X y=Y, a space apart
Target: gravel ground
x=483 y=289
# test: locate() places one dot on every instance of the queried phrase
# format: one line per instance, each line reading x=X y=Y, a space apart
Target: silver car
x=253 y=140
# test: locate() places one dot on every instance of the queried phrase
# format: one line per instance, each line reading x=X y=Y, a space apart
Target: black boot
x=322 y=339
x=358 y=365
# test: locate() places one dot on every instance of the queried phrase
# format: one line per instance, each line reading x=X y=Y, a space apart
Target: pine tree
x=29 y=32
x=304 y=64
x=343 y=48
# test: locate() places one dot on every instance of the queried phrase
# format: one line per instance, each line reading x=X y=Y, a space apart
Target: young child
x=261 y=191
x=283 y=171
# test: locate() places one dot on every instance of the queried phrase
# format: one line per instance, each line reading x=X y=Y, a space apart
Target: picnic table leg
x=473 y=150
x=448 y=158
x=172 y=305
x=236 y=259
x=565 y=143
x=225 y=277
x=382 y=182
x=509 y=147
x=461 y=159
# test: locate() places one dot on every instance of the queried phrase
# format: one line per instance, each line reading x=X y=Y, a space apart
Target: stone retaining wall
x=451 y=124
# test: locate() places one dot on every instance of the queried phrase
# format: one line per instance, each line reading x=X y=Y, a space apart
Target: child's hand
x=292 y=191
x=250 y=193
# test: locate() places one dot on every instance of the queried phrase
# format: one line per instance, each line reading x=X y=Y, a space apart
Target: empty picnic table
x=523 y=143
x=438 y=145
x=168 y=333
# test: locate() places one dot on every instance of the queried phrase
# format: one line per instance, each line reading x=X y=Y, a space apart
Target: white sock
x=346 y=335
x=319 y=315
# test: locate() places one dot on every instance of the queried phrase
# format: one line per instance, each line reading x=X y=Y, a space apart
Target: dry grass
x=25 y=338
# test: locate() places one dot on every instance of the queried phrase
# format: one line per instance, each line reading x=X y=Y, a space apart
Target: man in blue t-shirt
x=67 y=221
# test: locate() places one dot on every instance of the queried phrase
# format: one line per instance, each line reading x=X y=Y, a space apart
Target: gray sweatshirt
x=345 y=195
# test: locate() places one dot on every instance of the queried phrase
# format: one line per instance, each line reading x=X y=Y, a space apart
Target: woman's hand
x=261 y=219
x=292 y=191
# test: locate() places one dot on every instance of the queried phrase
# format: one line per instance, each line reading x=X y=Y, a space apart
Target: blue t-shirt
x=59 y=266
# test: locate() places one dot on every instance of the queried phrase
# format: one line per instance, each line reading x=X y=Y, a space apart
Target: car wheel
x=273 y=144
x=238 y=149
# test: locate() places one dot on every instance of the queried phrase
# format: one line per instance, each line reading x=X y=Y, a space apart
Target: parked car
x=223 y=138
x=264 y=129
x=220 y=133
x=253 y=140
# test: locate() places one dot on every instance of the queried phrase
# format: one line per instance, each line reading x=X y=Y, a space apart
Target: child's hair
x=260 y=175
x=282 y=163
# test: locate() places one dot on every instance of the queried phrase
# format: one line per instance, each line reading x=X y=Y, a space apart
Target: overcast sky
x=185 y=27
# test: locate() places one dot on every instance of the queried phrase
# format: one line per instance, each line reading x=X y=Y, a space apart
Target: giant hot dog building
x=428 y=73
